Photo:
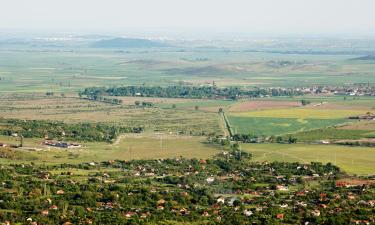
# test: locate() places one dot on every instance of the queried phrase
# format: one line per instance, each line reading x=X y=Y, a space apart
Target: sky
x=220 y=16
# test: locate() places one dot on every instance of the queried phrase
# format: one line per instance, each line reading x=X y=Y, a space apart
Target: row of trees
x=143 y=104
x=188 y=92
x=60 y=130
x=252 y=138
x=101 y=98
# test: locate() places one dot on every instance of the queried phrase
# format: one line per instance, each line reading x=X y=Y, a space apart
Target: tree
x=292 y=140
x=305 y=102
x=221 y=110
x=137 y=103
x=196 y=107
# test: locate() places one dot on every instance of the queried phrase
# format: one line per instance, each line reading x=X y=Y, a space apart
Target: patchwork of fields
x=32 y=70
x=260 y=119
x=73 y=110
x=26 y=76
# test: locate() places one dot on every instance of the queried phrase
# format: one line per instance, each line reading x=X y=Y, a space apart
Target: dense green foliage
x=225 y=190
x=187 y=92
x=60 y=130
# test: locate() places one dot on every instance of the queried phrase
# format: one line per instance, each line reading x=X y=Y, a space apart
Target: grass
x=59 y=70
x=200 y=103
x=73 y=110
x=332 y=134
x=277 y=126
x=304 y=113
x=354 y=160
x=130 y=147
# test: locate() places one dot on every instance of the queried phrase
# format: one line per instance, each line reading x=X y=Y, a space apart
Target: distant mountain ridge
x=367 y=57
x=127 y=43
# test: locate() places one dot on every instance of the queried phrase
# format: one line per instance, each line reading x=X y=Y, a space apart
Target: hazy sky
x=246 y=16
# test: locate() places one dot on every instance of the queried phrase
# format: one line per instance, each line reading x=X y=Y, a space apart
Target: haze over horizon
x=269 y=17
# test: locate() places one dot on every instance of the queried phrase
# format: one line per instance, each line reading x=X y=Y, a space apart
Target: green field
x=277 y=126
x=145 y=146
x=354 y=160
x=333 y=134
x=28 y=69
x=28 y=72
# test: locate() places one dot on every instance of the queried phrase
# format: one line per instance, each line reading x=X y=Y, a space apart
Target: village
x=224 y=189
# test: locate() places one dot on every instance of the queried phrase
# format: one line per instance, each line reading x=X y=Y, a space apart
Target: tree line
x=199 y=92
x=60 y=130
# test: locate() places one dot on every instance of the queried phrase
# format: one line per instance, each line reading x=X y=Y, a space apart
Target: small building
x=3 y=145
x=282 y=188
x=60 y=144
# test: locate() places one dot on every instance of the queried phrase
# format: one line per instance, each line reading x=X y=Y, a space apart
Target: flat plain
x=354 y=160
x=28 y=73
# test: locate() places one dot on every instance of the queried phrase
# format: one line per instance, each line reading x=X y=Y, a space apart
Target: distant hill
x=367 y=57
x=127 y=43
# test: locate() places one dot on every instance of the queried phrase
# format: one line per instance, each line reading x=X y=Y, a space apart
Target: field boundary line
x=227 y=124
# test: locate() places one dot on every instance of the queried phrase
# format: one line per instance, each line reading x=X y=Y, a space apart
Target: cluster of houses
x=313 y=202
x=367 y=116
x=355 y=90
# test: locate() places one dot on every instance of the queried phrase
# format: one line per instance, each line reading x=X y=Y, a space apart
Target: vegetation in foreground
x=228 y=189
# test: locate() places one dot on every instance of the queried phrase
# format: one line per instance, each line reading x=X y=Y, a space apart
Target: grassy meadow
x=277 y=126
x=354 y=160
x=145 y=146
x=74 y=110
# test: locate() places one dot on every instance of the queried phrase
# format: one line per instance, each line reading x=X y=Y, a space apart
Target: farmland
x=57 y=68
x=73 y=110
x=163 y=135
x=277 y=126
x=262 y=105
x=355 y=160
x=281 y=116
x=145 y=146
x=334 y=133
x=303 y=113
